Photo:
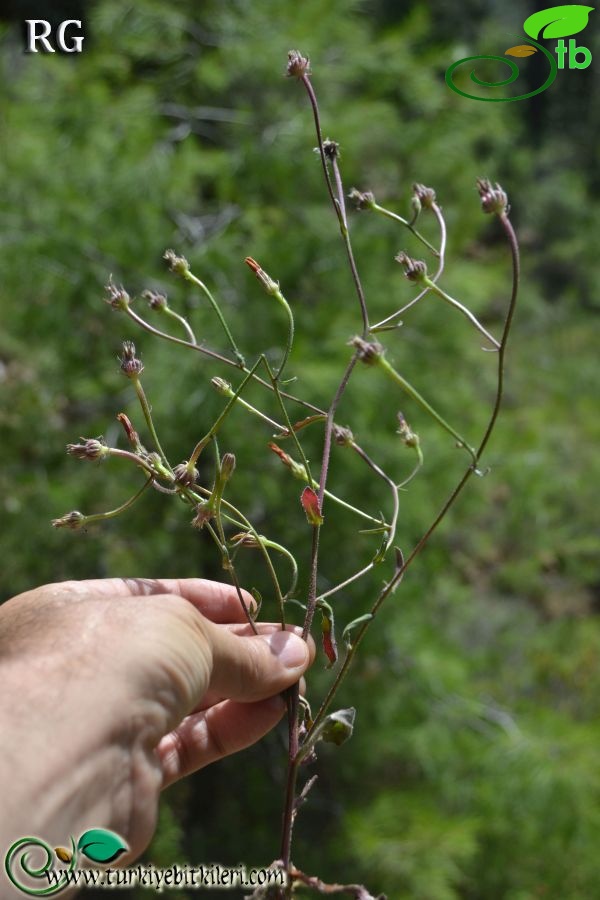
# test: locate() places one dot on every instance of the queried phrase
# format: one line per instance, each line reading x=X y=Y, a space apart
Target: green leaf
x=351 y=626
x=101 y=846
x=557 y=21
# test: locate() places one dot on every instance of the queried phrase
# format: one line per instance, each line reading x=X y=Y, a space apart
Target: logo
x=555 y=22
x=40 y=31
x=24 y=860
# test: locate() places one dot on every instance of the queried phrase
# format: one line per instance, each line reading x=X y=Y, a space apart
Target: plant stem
x=384 y=324
x=395 y=580
x=412 y=392
x=406 y=223
x=433 y=287
x=148 y=417
x=182 y=321
x=189 y=276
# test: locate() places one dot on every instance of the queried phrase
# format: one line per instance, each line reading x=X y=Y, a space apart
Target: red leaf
x=310 y=504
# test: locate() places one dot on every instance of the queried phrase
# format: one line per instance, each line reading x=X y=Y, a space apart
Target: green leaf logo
x=101 y=846
x=558 y=21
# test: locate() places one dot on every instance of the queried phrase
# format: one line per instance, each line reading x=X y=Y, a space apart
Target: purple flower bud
x=362 y=199
x=342 y=436
x=130 y=365
x=493 y=199
x=424 y=195
x=117 y=297
x=414 y=269
x=185 y=474
x=369 y=353
x=297 y=65
x=91 y=448
x=156 y=300
x=204 y=513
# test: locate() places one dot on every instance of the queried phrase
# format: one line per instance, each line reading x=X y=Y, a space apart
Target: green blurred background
x=474 y=769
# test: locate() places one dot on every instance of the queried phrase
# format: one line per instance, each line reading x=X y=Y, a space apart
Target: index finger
x=218 y=602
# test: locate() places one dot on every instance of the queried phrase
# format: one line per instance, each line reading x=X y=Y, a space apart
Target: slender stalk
x=212 y=354
x=149 y=422
x=167 y=311
x=433 y=287
x=384 y=324
x=113 y=513
x=189 y=276
x=412 y=392
x=395 y=580
x=392 y=215
x=338 y=203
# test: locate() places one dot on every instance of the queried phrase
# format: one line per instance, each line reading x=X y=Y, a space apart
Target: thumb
x=252 y=667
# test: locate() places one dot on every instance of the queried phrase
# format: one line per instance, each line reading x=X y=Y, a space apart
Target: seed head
x=331 y=149
x=369 y=353
x=117 y=297
x=130 y=365
x=185 y=474
x=342 y=436
x=73 y=520
x=177 y=264
x=297 y=65
x=424 y=195
x=493 y=199
x=362 y=199
x=408 y=436
x=156 y=300
x=91 y=448
x=414 y=269
x=204 y=513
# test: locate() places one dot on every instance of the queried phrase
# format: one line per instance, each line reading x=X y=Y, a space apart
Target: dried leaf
x=520 y=50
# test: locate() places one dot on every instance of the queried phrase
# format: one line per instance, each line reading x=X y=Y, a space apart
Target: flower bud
x=227 y=466
x=414 y=269
x=270 y=286
x=362 y=199
x=204 y=513
x=118 y=297
x=177 y=264
x=425 y=196
x=222 y=386
x=156 y=300
x=368 y=352
x=493 y=199
x=297 y=65
x=92 y=448
x=331 y=149
x=342 y=436
x=409 y=437
x=185 y=474
x=72 y=520
x=130 y=365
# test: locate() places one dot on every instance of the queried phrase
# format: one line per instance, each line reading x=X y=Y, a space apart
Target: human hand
x=115 y=688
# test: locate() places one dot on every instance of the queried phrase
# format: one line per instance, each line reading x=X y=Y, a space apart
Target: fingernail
x=289 y=648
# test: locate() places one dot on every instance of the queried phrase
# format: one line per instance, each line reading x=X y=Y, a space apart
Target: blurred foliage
x=473 y=772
